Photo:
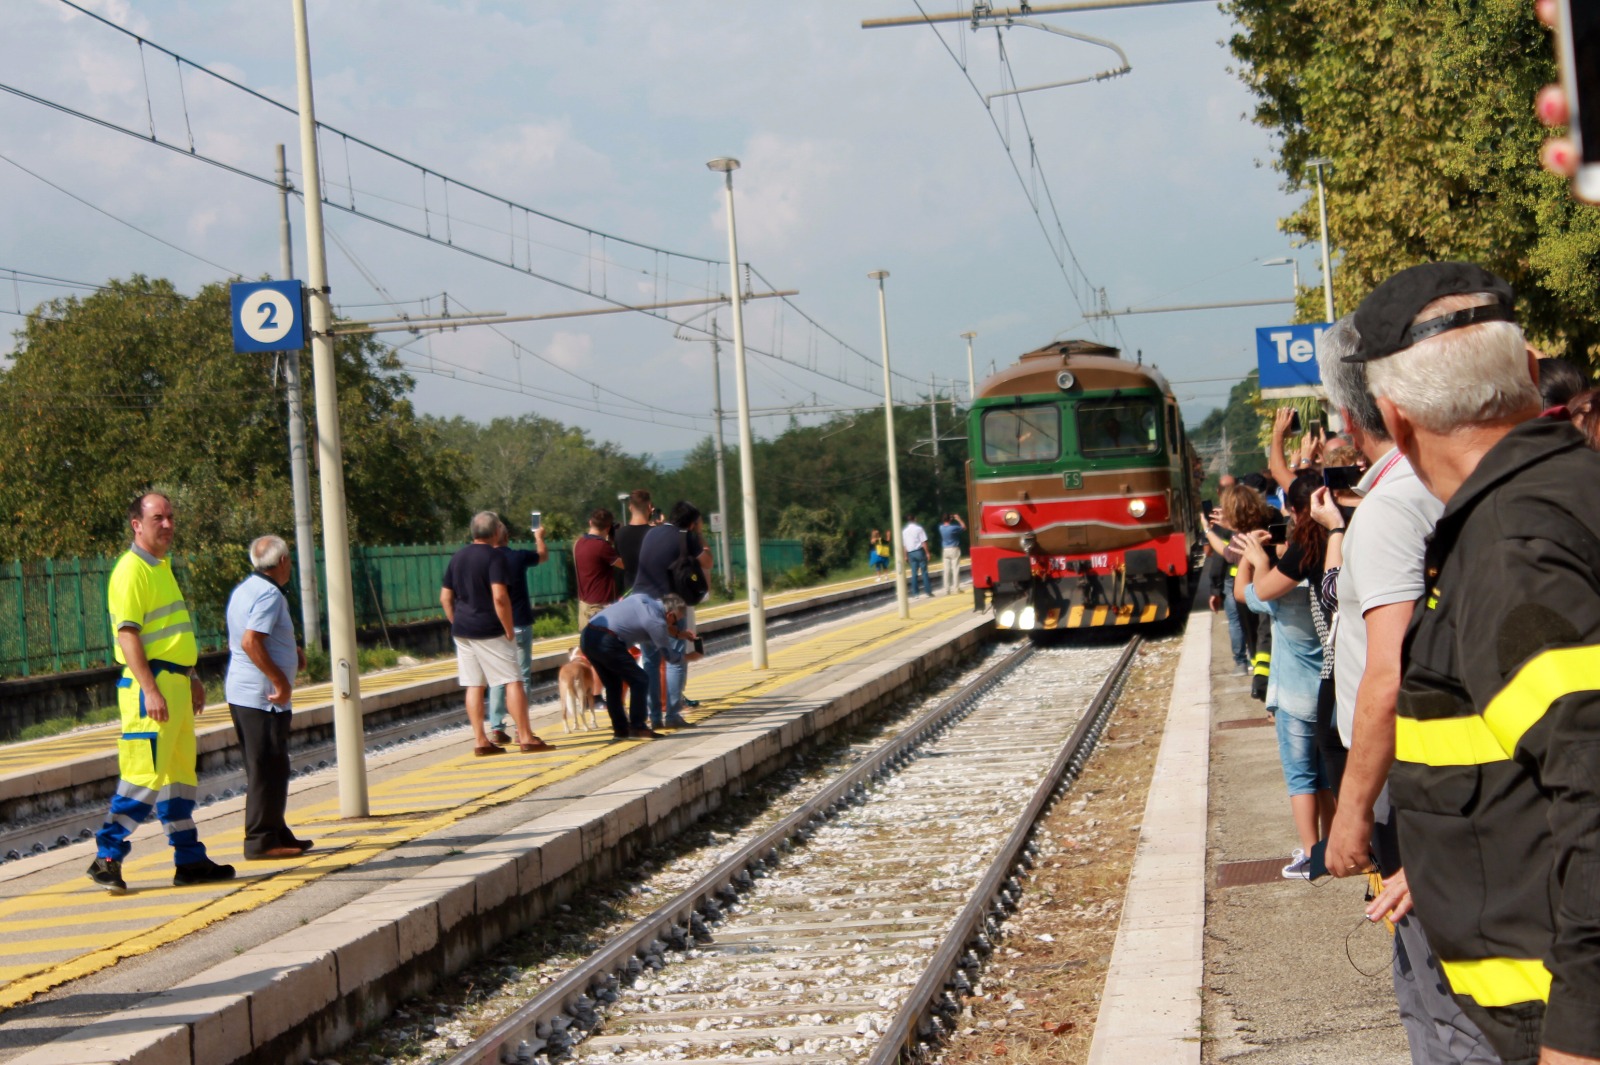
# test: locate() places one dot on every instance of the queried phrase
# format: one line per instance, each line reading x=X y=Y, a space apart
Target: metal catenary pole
x=1327 y=259
x=723 y=548
x=747 y=469
x=348 y=746
x=972 y=377
x=305 y=547
x=900 y=591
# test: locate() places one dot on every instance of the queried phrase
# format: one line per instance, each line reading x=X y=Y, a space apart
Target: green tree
x=1426 y=112
x=138 y=385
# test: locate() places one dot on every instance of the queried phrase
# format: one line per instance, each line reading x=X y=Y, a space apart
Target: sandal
x=487 y=749
x=537 y=745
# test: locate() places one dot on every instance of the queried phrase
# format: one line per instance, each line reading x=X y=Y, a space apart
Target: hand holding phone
x=1578 y=55
x=535 y=521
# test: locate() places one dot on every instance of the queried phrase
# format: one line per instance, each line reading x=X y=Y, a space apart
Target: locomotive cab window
x=1021 y=434
x=1113 y=427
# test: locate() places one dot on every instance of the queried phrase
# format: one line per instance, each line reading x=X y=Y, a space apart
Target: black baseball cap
x=1384 y=318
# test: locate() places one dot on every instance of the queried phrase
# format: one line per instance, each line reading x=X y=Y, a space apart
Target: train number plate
x=1100 y=561
x=1072 y=479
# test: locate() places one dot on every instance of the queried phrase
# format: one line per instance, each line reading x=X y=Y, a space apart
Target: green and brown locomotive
x=1080 y=492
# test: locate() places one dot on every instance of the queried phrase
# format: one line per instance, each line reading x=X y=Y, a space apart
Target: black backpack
x=685 y=578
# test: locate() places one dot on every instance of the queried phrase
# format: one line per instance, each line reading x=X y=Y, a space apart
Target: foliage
x=1229 y=436
x=562 y=622
x=1426 y=113
x=138 y=386
x=528 y=463
x=822 y=536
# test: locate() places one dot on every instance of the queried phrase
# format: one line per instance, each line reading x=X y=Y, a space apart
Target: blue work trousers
x=919 y=570
x=498 y=718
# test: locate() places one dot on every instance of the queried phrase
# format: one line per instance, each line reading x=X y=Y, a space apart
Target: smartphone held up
x=1578 y=54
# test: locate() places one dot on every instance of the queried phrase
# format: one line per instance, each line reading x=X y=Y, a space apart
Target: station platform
x=293 y=957
x=1218 y=957
x=42 y=776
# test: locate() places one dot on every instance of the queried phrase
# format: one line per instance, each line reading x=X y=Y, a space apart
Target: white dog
x=578 y=682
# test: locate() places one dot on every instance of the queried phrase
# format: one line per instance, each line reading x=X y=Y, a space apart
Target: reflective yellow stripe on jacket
x=143 y=595
x=1492 y=736
x=1499 y=981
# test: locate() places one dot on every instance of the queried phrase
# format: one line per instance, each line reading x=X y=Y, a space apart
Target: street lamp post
x=894 y=464
x=972 y=378
x=1327 y=261
x=747 y=471
x=1287 y=261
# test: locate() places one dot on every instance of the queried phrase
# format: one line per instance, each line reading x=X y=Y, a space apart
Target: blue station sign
x=268 y=316
x=1286 y=356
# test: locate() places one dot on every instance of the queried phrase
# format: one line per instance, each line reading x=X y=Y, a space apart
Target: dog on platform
x=578 y=683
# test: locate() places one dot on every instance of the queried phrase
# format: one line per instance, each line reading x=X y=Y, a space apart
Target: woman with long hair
x=1282 y=588
x=1241 y=510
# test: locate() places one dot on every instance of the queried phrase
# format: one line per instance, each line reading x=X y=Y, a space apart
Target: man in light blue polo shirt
x=261 y=670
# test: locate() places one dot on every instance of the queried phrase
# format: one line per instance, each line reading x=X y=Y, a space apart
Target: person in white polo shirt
x=263 y=662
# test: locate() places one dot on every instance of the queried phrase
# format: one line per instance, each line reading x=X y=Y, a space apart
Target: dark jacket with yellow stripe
x=1497 y=743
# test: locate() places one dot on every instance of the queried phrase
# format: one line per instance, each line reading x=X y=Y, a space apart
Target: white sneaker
x=1299 y=867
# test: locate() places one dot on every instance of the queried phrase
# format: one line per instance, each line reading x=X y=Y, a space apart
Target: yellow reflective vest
x=143 y=594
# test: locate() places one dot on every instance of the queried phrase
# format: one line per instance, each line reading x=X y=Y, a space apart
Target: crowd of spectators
x=1434 y=606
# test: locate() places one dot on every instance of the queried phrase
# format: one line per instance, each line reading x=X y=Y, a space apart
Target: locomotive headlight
x=1136 y=508
x=1008 y=618
x=1011 y=519
x=1025 y=619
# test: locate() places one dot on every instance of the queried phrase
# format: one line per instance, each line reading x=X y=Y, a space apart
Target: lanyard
x=1384 y=471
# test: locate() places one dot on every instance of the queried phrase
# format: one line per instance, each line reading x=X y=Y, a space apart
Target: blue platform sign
x=268 y=316
x=1286 y=356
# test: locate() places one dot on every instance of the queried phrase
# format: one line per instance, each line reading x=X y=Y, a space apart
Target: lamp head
x=968 y=336
x=878 y=275
x=723 y=164
x=1277 y=262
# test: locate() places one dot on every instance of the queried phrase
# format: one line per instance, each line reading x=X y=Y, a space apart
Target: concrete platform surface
x=334 y=941
x=1294 y=973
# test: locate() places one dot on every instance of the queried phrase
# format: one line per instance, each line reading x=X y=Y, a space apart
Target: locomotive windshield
x=1118 y=427
x=1021 y=434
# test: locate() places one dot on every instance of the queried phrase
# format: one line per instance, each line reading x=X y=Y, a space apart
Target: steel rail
x=921 y=1018
x=677 y=920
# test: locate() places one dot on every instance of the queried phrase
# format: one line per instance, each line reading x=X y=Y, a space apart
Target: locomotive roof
x=1095 y=366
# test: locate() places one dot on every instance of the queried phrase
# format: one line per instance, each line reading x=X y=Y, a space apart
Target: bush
x=562 y=621
x=318 y=667
x=824 y=543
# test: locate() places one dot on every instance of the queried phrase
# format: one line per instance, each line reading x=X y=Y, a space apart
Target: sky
x=556 y=155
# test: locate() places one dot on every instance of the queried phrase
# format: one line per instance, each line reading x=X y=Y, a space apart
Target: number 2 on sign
x=269 y=315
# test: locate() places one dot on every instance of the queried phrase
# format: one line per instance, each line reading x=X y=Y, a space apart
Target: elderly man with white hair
x=1496 y=780
x=263 y=662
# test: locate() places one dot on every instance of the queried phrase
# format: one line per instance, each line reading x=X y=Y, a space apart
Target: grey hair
x=485 y=524
x=1346 y=382
x=1467 y=376
x=267 y=551
x=673 y=604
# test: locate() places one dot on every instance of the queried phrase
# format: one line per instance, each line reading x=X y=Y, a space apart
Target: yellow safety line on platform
x=21 y=757
x=448 y=796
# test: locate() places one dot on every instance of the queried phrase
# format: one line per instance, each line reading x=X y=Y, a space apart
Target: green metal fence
x=53 y=612
x=777 y=556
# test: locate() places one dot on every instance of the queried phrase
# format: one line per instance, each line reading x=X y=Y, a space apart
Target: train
x=1081 y=492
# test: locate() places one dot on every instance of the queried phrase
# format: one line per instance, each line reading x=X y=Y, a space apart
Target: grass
x=55 y=726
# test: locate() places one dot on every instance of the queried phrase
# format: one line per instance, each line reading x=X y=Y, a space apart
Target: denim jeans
x=919 y=570
x=498 y=718
x=1236 y=640
x=610 y=658
x=677 y=672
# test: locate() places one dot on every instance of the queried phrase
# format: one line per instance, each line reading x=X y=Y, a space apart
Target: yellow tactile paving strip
x=30 y=757
x=67 y=930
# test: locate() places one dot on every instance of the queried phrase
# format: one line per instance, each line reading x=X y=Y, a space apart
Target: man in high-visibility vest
x=159 y=696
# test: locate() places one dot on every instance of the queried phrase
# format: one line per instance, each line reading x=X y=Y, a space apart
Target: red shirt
x=592 y=558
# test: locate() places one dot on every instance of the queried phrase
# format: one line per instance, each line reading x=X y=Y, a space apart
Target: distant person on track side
x=1377 y=588
x=158 y=696
x=518 y=563
x=1280 y=586
x=679 y=537
x=630 y=536
x=597 y=564
x=881 y=554
x=915 y=540
x=476 y=597
x=950 y=544
x=262 y=664
x=638 y=619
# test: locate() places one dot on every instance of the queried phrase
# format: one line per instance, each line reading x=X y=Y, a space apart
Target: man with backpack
x=673 y=560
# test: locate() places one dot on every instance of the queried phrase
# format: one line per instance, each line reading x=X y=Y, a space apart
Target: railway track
x=849 y=930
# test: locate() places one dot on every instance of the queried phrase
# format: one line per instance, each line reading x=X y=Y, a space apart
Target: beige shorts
x=587 y=612
x=486 y=663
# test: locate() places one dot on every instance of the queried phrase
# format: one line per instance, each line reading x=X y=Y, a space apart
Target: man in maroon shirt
x=596 y=561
